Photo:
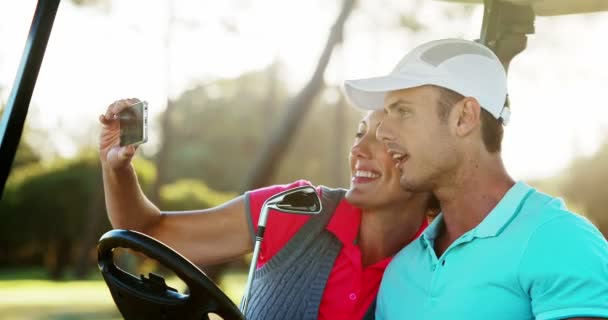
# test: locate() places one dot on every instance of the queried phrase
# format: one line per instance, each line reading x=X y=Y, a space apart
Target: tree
x=42 y=211
x=218 y=128
x=273 y=151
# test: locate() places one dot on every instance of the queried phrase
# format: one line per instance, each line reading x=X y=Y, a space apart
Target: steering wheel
x=151 y=298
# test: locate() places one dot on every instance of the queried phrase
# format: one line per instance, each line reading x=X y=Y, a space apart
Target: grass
x=26 y=294
x=45 y=299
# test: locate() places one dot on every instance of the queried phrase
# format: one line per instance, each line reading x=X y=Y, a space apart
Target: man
x=500 y=249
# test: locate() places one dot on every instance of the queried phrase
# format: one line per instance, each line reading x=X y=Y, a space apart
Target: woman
x=325 y=267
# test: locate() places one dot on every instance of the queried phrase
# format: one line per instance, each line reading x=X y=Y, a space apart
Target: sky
x=131 y=49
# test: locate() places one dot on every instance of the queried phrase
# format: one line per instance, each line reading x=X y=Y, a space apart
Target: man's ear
x=467 y=116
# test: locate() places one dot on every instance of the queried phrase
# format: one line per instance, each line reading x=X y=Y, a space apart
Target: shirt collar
x=495 y=221
x=432 y=231
x=504 y=212
x=344 y=223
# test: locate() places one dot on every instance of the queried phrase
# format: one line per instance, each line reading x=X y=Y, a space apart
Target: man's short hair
x=491 y=128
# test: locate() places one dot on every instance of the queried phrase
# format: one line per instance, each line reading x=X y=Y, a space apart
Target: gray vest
x=291 y=284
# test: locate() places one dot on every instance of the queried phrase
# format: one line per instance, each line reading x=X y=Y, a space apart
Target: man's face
x=418 y=140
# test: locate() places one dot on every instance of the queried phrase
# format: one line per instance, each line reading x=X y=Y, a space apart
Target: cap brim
x=370 y=93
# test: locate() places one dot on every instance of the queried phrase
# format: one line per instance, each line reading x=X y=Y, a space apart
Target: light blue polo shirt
x=530 y=258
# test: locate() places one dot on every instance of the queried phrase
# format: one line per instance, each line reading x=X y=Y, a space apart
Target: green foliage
x=25 y=155
x=146 y=173
x=46 y=208
x=320 y=146
x=43 y=204
x=50 y=198
x=218 y=127
x=190 y=194
x=584 y=183
x=219 y=130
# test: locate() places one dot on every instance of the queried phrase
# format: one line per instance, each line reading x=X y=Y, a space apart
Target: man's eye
x=359 y=135
x=402 y=111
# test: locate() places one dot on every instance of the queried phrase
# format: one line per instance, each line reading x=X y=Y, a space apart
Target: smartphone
x=134 y=124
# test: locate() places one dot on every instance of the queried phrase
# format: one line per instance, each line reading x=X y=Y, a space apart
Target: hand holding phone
x=134 y=124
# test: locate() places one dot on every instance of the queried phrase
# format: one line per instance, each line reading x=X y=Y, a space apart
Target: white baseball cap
x=463 y=66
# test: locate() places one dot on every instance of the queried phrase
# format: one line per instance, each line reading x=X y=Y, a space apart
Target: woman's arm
x=203 y=236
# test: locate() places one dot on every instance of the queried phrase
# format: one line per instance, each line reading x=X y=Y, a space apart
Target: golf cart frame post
x=13 y=119
x=505 y=28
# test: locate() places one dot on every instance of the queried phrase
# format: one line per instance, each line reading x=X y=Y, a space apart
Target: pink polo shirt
x=350 y=288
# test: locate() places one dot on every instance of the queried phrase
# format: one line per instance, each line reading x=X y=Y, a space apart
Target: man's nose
x=384 y=132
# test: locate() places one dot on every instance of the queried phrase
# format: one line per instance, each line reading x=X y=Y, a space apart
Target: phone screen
x=134 y=124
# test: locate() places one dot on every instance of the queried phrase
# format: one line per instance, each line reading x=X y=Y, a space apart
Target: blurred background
x=243 y=94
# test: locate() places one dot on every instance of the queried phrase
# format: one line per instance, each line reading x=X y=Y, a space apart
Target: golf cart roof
x=554 y=7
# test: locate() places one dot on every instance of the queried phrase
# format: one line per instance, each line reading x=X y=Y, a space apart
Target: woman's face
x=374 y=177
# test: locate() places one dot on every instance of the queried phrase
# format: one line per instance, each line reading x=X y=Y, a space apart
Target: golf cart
x=505 y=26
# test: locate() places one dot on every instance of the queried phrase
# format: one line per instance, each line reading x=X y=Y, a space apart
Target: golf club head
x=300 y=200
